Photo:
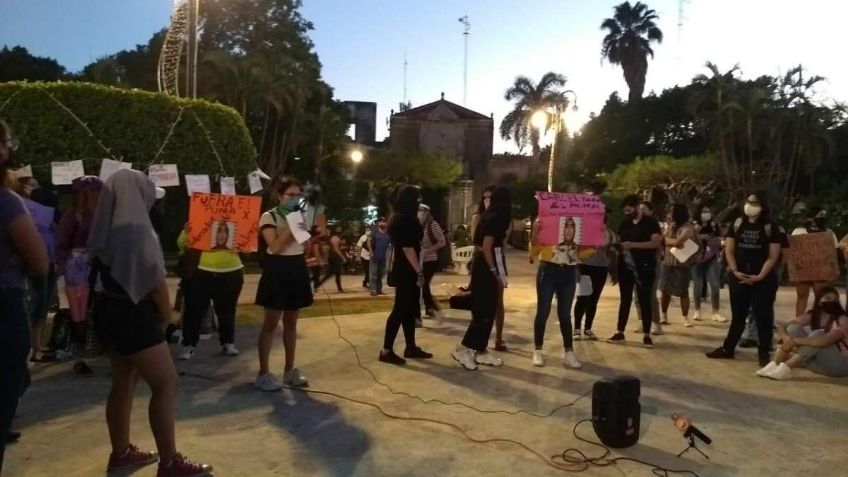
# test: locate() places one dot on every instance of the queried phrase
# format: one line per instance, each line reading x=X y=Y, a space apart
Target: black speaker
x=616 y=410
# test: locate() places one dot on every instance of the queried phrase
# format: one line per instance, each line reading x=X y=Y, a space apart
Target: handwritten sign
x=812 y=258
x=217 y=222
x=228 y=185
x=197 y=183
x=164 y=175
x=63 y=173
x=560 y=211
x=109 y=167
x=254 y=182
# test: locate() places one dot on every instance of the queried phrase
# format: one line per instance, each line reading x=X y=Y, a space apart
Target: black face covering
x=831 y=307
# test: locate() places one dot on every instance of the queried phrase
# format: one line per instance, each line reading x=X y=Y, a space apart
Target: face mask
x=706 y=216
x=830 y=307
x=753 y=210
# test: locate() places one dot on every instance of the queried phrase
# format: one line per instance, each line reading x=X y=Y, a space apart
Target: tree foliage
x=387 y=168
x=630 y=32
x=18 y=64
x=528 y=98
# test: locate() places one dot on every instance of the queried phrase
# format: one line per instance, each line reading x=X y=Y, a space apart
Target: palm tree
x=530 y=98
x=628 y=43
x=711 y=104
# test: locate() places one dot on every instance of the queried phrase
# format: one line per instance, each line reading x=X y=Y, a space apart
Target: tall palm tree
x=530 y=98
x=628 y=43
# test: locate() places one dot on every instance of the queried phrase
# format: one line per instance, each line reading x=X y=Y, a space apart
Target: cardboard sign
x=164 y=175
x=109 y=167
x=228 y=185
x=197 y=183
x=218 y=222
x=63 y=173
x=812 y=258
x=584 y=211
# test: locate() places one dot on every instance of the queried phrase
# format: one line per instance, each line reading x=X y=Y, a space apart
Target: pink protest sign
x=584 y=211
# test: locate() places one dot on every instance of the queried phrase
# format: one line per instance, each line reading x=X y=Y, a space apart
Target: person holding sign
x=637 y=266
x=680 y=253
x=817 y=223
x=488 y=279
x=596 y=267
x=752 y=249
x=817 y=340
x=557 y=275
x=706 y=273
x=284 y=285
x=130 y=315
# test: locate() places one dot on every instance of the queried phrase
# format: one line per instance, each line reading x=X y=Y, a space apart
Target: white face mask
x=752 y=210
x=706 y=216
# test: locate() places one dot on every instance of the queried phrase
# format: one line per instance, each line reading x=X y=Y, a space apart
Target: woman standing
x=752 y=249
x=675 y=274
x=557 y=275
x=284 y=286
x=405 y=232
x=22 y=253
x=433 y=241
x=706 y=273
x=596 y=267
x=488 y=279
x=336 y=260
x=219 y=279
x=131 y=314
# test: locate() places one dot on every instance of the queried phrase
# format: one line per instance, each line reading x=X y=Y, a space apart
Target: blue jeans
x=378 y=269
x=14 y=349
x=559 y=280
x=707 y=272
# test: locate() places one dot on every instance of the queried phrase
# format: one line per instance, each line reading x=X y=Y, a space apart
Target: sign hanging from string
x=109 y=167
x=197 y=183
x=63 y=173
x=228 y=185
x=164 y=175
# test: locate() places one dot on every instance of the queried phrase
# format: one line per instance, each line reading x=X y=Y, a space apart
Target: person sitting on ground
x=816 y=340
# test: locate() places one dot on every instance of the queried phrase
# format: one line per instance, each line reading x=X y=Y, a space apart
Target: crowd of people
x=107 y=250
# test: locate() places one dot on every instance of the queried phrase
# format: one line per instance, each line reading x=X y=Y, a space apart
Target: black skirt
x=284 y=284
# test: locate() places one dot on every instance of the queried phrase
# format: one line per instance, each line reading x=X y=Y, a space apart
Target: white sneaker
x=657 y=329
x=664 y=319
x=571 y=360
x=229 y=349
x=718 y=318
x=538 y=358
x=697 y=315
x=295 y=379
x=488 y=358
x=267 y=382
x=767 y=369
x=576 y=335
x=687 y=323
x=464 y=356
x=780 y=373
x=188 y=353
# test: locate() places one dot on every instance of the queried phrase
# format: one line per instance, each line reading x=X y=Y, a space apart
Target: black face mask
x=831 y=307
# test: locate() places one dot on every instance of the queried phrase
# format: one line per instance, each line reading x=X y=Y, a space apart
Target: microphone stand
x=691 y=439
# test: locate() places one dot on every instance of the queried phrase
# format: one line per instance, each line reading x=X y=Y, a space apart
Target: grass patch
x=253 y=315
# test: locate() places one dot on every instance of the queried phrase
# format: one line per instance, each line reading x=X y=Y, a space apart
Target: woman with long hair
x=406 y=233
x=131 y=314
x=676 y=275
x=22 y=255
x=488 y=279
x=485 y=202
x=752 y=249
x=283 y=287
x=816 y=340
x=706 y=273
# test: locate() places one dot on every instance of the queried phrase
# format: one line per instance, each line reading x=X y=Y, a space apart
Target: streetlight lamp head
x=539 y=120
x=356 y=156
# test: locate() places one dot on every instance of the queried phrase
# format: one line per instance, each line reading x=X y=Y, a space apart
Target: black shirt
x=752 y=244
x=405 y=231
x=492 y=225
x=639 y=232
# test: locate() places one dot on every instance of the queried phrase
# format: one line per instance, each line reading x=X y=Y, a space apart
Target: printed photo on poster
x=570 y=230
x=223 y=235
x=218 y=222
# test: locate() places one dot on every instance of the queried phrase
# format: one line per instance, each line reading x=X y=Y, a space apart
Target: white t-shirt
x=803 y=231
x=364 y=254
x=274 y=220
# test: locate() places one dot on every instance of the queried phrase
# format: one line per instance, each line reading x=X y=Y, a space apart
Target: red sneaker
x=132 y=457
x=182 y=467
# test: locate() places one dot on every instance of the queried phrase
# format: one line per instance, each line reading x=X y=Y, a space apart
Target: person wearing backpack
x=284 y=286
x=433 y=241
x=752 y=251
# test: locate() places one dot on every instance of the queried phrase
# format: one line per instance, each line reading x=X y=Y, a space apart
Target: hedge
x=133 y=124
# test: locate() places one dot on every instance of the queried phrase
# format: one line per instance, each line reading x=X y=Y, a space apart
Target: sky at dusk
x=362 y=44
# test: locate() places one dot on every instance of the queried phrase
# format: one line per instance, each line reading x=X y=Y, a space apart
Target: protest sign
x=109 y=167
x=254 y=182
x=63 y=173
x=558 y=210
x=197 y=183
x=228 y=185
x=217 y=222
x=164 y=175
x=812 y=258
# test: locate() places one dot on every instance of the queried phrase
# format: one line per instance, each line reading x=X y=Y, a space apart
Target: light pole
x=540 y=121
x=356 y=156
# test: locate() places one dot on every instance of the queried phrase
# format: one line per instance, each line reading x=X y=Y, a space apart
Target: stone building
x=447 y=128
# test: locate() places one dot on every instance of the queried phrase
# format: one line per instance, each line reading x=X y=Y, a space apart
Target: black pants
x=334 y=270
x=588 y=305
x=366 y=280
x=430 y=268
x=643 y=282
x=759 y=298
x=404 y=311
x=14 y=350
x=223 y=290
x=484 y=304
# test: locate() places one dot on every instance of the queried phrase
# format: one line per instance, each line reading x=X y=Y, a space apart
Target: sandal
x=500 y=345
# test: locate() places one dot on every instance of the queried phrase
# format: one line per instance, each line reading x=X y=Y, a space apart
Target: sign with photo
x=223 y=222
x=570 y=218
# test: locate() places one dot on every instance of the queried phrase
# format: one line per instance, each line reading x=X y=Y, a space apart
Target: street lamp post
x=540 y=120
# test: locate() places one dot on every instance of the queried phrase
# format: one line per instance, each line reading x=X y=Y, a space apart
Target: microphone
x=684 y=425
